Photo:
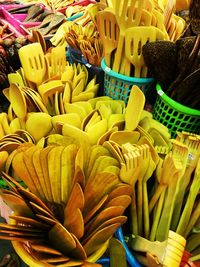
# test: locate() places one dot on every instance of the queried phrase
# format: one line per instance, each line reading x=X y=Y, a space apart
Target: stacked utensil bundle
x=127 y=27
x=172 y=202
x=72 y=207
x=83 y=35
x=46 y=82
x=131 y=149
x=86 y=39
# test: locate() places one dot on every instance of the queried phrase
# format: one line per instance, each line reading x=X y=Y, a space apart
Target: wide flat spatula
x=134 y=108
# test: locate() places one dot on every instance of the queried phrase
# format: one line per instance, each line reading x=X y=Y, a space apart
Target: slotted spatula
x=135 y=38
x=127 y=16
x=33 y=62
x=109 y=32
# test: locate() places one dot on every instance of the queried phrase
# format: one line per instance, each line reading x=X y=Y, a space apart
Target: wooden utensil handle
x=119 y=52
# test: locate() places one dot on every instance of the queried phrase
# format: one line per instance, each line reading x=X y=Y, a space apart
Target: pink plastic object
x=14 y=23
x=17 y=20
x=11 y=6
x=28 y=24
x=80 y=3
x=18 y=31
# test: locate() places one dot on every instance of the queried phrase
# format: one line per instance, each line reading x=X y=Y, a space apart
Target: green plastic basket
x=175 y=116
x=118 y=86
x=3 y=184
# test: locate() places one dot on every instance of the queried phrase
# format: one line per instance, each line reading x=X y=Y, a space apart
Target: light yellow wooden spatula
x=135 y=38
x=134 y=108
x=109 y=32
x=127 y=16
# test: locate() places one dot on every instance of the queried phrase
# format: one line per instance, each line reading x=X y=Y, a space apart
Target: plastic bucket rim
x=175 y=105
x=114 y=74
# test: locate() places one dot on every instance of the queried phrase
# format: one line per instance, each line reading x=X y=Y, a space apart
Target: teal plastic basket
x=118 y=86
x=174 y=116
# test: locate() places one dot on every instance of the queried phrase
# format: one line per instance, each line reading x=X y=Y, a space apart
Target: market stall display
x=99 y=132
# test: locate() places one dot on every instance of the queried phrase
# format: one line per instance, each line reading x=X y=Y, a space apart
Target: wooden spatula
x=100 y=237
x=33 y=63
x=109 y=32
x=134 y=108
x=61 y=238
x=135 y=38
x=127 y=17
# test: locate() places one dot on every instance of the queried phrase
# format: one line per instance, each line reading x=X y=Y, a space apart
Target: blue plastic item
x=118 y=86
x=95 y=71
x=78 y=15
x=74 y=55
x=105 y=262
x=130 y=258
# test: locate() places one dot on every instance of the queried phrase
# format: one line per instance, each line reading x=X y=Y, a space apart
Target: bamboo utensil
x=58 y=61
x=126 y=17
x=15 y=78
x=168 y=13
x=192 y=145
x=104 y=216
x=109 y=33
x=136 y=104
x=130 y=170
x=135 y=38
x=186 y=215
x=38 y=37
x=122 y=137
x=167 y=212
x=18 y=101
x=32 y=60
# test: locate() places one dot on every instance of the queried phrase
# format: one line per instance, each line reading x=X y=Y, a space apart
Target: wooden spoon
x=67 y=170
x=92 y=212
x=119 y=190
x=92 y=231
x=29 y=222
x=17 y=204
x=44 y=159
x=18 y=101
x=28 y=160
x=78 y=252
x=40 y=210
x=103 y=216
x=123 y=200
x=61 y=239
x=99 y=238
x=31 y=197
x=44 y=248
x=98 y=186
x=54 y=158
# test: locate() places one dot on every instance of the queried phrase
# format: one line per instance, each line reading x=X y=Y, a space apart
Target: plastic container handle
x=130 y=258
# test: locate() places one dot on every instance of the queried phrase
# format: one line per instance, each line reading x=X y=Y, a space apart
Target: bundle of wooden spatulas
x=72 y=204
x=84 y=36
x=126 y=27
x=166 y=183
